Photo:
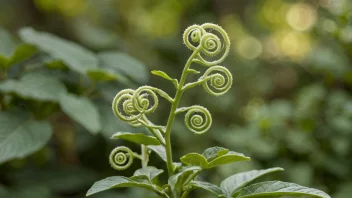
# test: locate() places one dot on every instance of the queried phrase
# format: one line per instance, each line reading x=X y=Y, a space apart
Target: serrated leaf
x=150 y=172
x=138 y=138
x=121 y=182
x=234 y=183
x=278 y=188
x=74 y=56
x=214 y=152
x=36 y=86
x=82 y=110
x=160 y=150
x=194 y=159
x=124 y=64
x=230 y=157
x=20 y=137
x=207 y=186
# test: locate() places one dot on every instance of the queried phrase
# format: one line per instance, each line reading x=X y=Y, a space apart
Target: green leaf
x=102 y=75
x=207 y=186
x=193 y=71
x=14 y=53
x=234 y=183
x=230 y=157
x=8 y=45
x=124 y=64
x=122 y=182
x=82 y=110
x=21 y=53
x=150 y=172
x=211 y=157
x=20 y=137
x=74 y=56
x=278 y=188
x=194 y=159
x=165 y=76
x=214 y=152
x=160 y=150
x=138 y=138
x=36 y=86
x=176 y=181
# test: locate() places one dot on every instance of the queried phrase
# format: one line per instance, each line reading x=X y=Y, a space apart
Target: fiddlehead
x=132 y=105
x=218 y=80
x=145 y=100
x=197 y=119
x=121 y=158
x=196 y=38
x=124 y=109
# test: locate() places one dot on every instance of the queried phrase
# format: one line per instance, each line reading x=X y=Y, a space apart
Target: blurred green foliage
x=290 y=105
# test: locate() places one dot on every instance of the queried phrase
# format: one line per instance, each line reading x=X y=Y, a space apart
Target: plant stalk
x=172 y=114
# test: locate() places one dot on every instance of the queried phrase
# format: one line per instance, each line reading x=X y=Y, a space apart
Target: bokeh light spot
x=249 y=47
x=301 y=16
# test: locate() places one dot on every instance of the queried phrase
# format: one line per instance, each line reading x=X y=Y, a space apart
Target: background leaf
x=20 y=137
x=36 y=86
x=82 y=110
x=74 y=56
x=124 y=64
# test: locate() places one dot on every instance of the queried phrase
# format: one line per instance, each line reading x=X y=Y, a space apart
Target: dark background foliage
x=290 y=104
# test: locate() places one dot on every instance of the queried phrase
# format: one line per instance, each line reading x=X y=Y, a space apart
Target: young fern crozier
x=210 y=45
x=133 y=106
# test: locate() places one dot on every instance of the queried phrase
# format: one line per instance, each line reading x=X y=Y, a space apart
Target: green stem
x=145 y=156
x=172 y=114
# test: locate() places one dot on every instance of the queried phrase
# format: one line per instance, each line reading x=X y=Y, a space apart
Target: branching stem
x=172 y=114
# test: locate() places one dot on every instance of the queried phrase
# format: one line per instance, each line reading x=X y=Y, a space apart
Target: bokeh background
x=290 y=104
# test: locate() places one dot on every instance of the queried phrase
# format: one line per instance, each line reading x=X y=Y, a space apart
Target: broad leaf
x=21 y=53
x=212 y=157
x=124 y=64
x=160 y=150
x=278 y=189
x=82 y=110
x=138 y=138
x=102 y=75
x=207 y=186
x=20 y=137
x=74 y=56
x=194 y=159
x=237 y=181
x=11 y=52
x=8 y=45
x=230 y=157
x=165 y=76
x=121 y=182
x=150 y=172
x=177 y=181
x=36 y=86
x=214 y=152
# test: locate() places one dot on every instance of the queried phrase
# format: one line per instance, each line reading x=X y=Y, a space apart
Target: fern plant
x=134 y=106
